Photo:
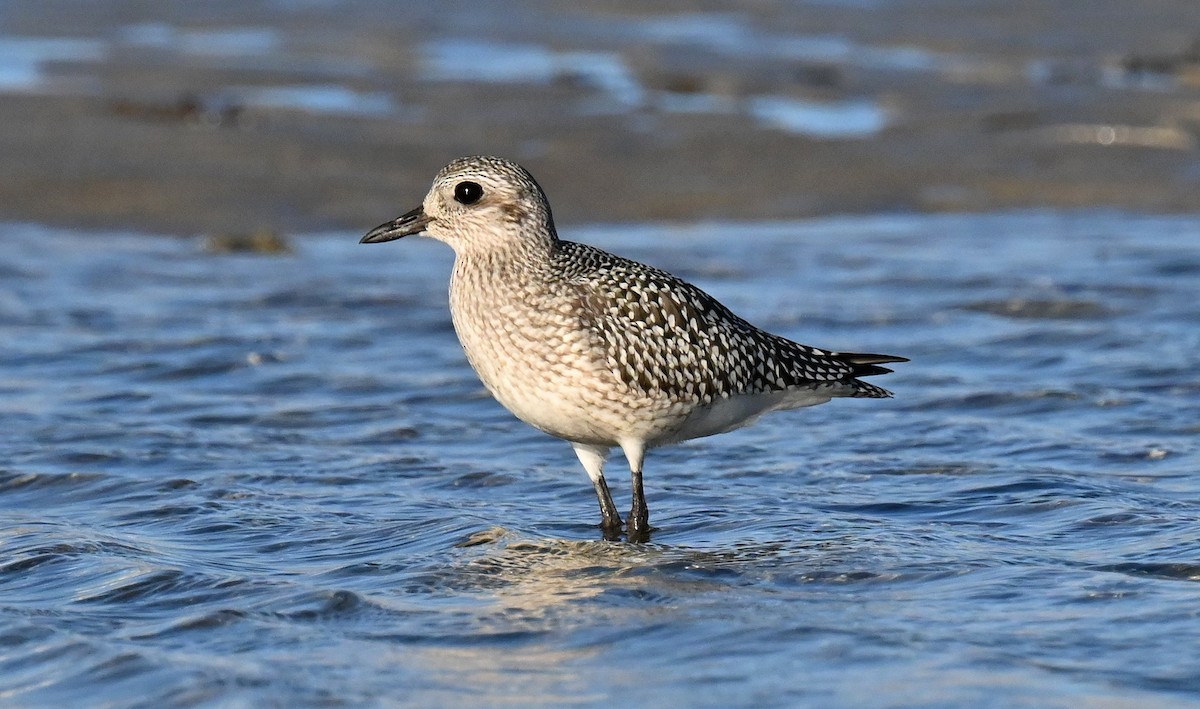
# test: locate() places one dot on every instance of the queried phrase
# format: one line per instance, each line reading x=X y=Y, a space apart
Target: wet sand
x=297 y=117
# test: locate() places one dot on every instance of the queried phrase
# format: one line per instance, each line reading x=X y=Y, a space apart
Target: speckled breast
x=533 y=353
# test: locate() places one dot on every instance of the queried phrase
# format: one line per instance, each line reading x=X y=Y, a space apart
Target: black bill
x=413 y=222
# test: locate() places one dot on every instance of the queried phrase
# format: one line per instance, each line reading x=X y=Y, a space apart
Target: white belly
x=733 y=413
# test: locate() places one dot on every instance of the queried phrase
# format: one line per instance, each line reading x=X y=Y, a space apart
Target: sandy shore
x=235 y=116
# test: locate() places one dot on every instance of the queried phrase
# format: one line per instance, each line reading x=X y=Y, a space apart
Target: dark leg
x=593 y=458
x=610 y=519
x=638 y=530
x=639 y=515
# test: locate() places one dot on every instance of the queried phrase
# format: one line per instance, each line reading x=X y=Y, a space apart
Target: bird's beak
x=413 y=222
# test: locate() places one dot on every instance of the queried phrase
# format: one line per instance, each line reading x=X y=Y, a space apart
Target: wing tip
x=870 y=358
x=864 y=364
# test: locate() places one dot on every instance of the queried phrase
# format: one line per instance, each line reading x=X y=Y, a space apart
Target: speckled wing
x=666 y=337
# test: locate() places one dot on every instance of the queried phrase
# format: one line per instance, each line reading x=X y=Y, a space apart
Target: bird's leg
x=639 y=514
x=593 y=458
x=638 y=530
x=610 y=519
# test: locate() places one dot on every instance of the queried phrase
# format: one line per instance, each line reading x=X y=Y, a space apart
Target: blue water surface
x=246 y=480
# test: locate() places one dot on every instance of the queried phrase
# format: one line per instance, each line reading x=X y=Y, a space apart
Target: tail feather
x=863 y=390
x=866 y=365
x=865 y=358
x=869 y=370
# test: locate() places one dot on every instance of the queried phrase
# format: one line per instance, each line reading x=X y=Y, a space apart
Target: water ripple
x=241 y=481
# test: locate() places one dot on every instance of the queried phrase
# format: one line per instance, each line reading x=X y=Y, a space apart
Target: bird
x=599 y=350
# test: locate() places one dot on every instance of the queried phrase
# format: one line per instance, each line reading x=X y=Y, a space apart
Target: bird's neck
x=510 y=281
x=514 y=259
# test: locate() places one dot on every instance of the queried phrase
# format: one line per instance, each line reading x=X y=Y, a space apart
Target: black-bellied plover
x=599 y=350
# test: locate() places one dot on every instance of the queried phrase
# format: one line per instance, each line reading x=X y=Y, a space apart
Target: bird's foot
x=611 y=528
x=638 y=529
x=637 y=535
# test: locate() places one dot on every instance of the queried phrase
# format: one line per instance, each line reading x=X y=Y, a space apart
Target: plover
x=599 y=350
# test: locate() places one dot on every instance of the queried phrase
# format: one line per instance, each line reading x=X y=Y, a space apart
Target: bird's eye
x=468 y=192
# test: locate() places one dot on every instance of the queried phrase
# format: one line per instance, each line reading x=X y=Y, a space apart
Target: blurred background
x=316 y=114
x=230 y=480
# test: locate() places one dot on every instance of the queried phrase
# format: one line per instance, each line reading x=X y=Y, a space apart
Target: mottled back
x=664 y=336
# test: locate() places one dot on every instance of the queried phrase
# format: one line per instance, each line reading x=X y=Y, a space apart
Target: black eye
x=468 y=192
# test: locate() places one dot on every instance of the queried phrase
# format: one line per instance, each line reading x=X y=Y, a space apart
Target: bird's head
x=477 y=203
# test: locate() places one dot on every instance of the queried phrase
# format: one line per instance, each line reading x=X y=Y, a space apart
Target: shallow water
x=241 y=480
